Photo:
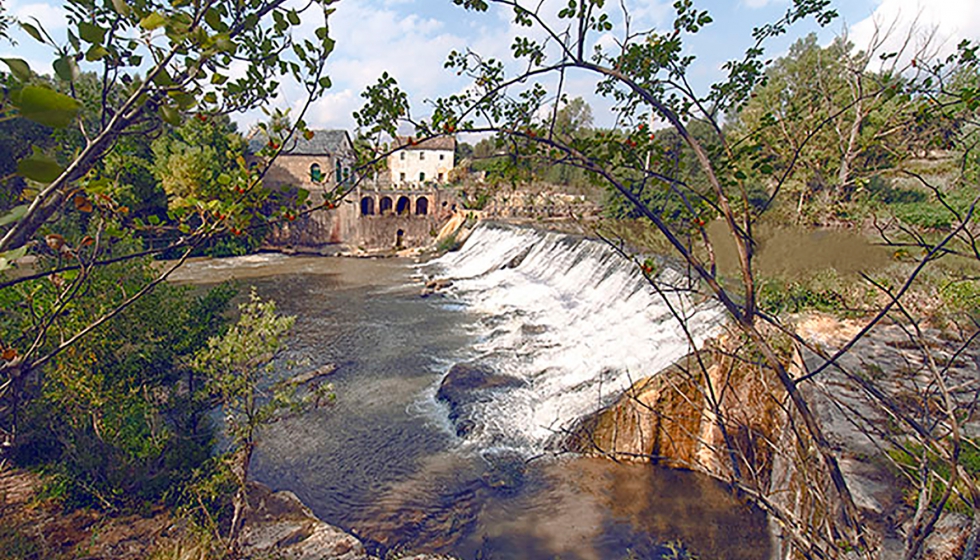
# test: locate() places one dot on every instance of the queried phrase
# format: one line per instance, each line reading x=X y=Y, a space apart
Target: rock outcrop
x=465 y=384
x=668 y=418
x=279 y=525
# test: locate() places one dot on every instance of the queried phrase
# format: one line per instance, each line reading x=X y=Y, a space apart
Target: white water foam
x=569 y=316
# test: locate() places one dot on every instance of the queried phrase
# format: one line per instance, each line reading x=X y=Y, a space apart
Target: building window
x=440 y=177
x=402 y=155
x=421 y=176
x=340 y=172
x=421 y=155
x=315 y=174
x=421 y=206
x=401 y=177
x=442 y=157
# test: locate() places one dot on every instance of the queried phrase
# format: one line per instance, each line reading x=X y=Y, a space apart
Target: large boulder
x=468 y=383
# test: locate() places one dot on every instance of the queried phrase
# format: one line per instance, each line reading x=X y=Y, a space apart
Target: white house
x=418 y=163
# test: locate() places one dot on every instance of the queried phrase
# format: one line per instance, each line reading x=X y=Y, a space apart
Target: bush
x=776 y=296
x=118 y=417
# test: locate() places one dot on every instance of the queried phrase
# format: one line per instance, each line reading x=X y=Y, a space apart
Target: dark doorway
x=403 y=206
x=385 y=205
x=421 y=206
x=367 y=206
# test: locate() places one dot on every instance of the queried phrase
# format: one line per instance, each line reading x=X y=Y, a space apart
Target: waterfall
x=571 y=319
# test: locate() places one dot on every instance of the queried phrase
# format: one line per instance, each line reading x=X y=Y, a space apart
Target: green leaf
x=121 y=7
x=293 y=17
x=224 y=44
x=7 y=258
x=15 y=214
x=96 y=52
x=170 y=115
x=224 y=179
x=39 y=167
x=66 y=68
x=91 y=33
x=213 y=18
x=45 y=106
x=153 y=21
x=325 y=82
x=18 y=67
x=32 y=31
x=184 y=101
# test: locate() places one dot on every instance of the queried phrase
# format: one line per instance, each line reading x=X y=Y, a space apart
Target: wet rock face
x=468 y=383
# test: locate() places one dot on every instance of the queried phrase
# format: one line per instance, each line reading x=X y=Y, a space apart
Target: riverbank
x=36 y=526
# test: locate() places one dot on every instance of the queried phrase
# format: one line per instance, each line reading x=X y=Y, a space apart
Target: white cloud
x=334 y=110
x=51 y=18
x=917 y=20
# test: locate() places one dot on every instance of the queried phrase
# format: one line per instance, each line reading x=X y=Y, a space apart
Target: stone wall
x=294 y=170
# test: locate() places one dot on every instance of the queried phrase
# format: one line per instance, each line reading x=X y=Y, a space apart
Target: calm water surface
x=384 y=462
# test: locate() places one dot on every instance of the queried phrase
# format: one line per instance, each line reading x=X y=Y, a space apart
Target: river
x=384 y=461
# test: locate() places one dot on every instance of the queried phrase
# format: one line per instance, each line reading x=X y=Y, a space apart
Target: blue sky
x=411 y=38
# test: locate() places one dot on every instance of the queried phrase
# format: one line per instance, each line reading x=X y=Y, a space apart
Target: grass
x=908 y=462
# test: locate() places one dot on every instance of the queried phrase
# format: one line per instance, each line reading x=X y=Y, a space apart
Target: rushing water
x=561 y=314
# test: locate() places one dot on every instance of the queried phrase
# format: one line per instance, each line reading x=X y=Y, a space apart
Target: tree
x=156 y=64
x=646 y=74
x=822 y=113
x=235 y=366
x=573 y=118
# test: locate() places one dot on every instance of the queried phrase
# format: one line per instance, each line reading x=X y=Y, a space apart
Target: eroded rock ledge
x=666 y=418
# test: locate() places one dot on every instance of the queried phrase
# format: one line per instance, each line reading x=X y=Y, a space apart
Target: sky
x=411 y=39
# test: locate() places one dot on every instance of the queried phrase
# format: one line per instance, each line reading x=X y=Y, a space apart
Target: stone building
x=374 y=214
x=419 y=163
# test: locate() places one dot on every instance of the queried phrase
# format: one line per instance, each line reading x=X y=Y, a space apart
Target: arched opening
x=398 y=238
x=421 y=206
x=367 y=206
x=315 y=174
x=384 y=205
x=402 y=207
